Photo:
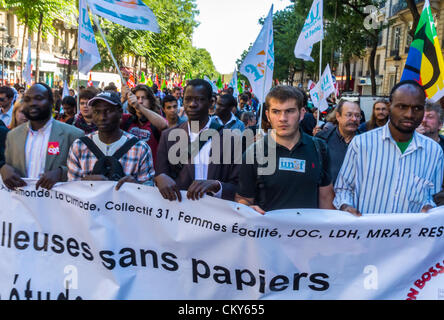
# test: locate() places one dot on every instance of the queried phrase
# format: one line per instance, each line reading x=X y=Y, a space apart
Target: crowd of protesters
x=392 y=163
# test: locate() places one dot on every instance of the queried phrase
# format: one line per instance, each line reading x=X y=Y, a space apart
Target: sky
x=228 y=27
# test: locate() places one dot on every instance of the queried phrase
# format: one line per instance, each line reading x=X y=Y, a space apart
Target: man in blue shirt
x=224 y=104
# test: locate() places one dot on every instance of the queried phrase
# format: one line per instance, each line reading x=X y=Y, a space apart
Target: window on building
x=396 y=40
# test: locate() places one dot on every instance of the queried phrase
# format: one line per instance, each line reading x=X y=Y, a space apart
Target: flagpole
x=109 y=49
x=320 y=75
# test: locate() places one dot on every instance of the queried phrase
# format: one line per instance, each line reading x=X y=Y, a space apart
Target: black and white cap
x=108 y=96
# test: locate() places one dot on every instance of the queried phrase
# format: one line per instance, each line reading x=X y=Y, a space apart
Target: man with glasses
x=348 y=116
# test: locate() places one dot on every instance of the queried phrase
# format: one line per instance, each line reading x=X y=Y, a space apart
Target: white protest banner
x=258 y=65
x=312 y=32
x=84 y=240
x=133 y=14
x=89 y=54
x=322 y=90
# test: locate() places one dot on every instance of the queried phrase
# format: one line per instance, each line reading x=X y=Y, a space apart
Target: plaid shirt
x=138 y=161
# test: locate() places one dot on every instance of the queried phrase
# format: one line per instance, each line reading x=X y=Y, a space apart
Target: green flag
x=163 y=86
x=219 y=83
x=142 y=78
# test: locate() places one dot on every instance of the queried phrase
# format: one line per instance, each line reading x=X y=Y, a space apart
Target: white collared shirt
x=36 y=149
x=202 y=159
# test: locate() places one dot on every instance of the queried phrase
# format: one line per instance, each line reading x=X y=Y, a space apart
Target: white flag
x=28 y=69
x=89 y=53
x=233 y=84
x=133 y=14
x=258 y=65
x=312 y=32
x=322 y=90
x=215 y=90
x=65 y=89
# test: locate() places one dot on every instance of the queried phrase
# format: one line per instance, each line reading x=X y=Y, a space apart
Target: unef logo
x=53 y=148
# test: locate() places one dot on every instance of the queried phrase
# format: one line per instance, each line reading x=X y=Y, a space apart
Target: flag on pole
x=425 y=63
x=310 y=85
x=65 y=92
x=142 y=78
x=27 y=72
x=157 y=80
x=233 y=84
x=322 y=90
x=215 y=90
x=90 y=83
x=89 y=54
x=258 y=65
x=149 y=82
x=131 y=83
x=133 y=14
x=163 y=86
x=219 y=83
x=312 y=32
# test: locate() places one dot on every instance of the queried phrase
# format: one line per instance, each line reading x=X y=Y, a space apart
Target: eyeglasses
x=351 y=115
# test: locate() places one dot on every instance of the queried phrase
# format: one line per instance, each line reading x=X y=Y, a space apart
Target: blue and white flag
x=65 y=89
x=312 y=32
x=233 y=84
x=89 y=54
x=258 y=65
x=28 y=69
x=213 y=85
x=323 y=89
x=133 y=14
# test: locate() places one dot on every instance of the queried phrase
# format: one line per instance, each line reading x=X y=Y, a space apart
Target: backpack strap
x=92 y=147
x=321 y=150
x=125 y=148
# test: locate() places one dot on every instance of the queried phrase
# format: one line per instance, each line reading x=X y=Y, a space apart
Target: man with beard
x=392 y=169
x=348 y=115
x=432 y=122
x=39 y=148
x=144 y=121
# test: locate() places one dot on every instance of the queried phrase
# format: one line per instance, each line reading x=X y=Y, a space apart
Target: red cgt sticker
x=53 y=148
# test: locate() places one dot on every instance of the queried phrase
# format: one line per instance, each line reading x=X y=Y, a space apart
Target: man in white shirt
x=38 y=149
x=197 y=174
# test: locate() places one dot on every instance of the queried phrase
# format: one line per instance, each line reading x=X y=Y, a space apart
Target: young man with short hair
x=224 y=104
x=84 y=119
x=87 y=155
x=198 y=175
x=301 y=177
x=170 y=109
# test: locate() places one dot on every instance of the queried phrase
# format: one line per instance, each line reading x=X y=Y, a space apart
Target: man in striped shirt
x=392 y=169
x=136 y=163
